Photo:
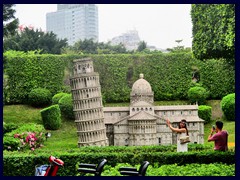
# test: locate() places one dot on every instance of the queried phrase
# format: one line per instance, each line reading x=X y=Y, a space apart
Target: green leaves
x=31 y=40
x=212 y=169
x=213 y=30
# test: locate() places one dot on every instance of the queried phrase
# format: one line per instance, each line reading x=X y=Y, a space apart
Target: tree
x=213 y=31
x=85 y=46
x=141 y=46
x=107 y=48
x=10 y=23
x=88 y=46
x=179 y=48
x=30 y=40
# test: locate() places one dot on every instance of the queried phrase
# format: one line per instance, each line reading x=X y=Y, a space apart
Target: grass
x=66 y=137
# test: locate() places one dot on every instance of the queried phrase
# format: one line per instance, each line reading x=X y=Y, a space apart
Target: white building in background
x=74 y=22
x=129 y=39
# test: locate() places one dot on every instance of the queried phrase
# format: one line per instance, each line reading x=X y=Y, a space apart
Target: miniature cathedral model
x=87 y=104
x=141 y=123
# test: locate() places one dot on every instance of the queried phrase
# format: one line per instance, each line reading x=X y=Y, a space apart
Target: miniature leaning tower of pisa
x=87 y=104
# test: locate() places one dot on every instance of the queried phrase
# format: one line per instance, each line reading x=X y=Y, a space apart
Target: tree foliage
x=179 y=48
x=89 y=46
x=213 y=31
x=141 y=46
x=31 y=40
x=10 y=23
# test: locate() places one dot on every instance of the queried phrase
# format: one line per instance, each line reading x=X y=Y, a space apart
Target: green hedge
x=26 y=162
x=51 y=117
x=57 y=97
x=28 y=71
x=197 y=95
x=39 y=97
x=228 y=106
x=170 y=74
x=194 y=169
x=66 y=106
x=205 y=113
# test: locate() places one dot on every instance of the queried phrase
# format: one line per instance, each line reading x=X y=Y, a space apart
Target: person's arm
x=182 y=130
x=210 y=135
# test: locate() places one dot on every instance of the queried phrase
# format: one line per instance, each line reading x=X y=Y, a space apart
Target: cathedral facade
x=142 y=123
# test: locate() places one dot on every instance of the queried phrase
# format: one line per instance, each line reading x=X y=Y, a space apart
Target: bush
x=16 y=139
x=10 y=143
x=51 y=117
x=66 y=106
x=205 y=113
x=57 y=97
x=228 y=106
x=39 y=97
x=8 y=127
x=66 y=89
x=197 y=94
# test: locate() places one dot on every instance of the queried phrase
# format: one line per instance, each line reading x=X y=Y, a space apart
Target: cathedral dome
x=141 y=87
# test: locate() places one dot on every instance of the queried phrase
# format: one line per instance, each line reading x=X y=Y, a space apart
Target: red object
x=53 y=168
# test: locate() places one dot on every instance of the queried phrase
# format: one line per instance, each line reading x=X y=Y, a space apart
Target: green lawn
x=66 y=137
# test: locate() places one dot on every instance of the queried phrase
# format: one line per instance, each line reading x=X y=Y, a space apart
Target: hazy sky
x=157 y=24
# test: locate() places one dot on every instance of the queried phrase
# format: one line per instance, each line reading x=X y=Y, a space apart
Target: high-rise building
x=74 y=22
x=130 y=40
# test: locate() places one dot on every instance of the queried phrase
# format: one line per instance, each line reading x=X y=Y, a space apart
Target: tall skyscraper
x=74 y=22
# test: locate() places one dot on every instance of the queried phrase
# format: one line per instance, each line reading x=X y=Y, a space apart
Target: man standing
x=220 y=138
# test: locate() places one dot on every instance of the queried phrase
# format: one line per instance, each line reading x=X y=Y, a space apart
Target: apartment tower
x=74 y=22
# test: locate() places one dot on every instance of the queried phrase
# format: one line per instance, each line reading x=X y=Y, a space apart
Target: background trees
x=89 y=46
x=141 y=46
x=31 y=40
x=10 y=23
x=213 y=31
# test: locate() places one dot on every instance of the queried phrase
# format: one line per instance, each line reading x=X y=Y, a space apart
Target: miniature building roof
x=141 y=104
x=141 y=86
x=142 y=115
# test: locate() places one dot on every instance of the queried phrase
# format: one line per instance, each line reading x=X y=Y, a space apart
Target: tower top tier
x=83 y=66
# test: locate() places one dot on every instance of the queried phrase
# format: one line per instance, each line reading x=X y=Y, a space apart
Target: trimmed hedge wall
x=28 y=71
x=170 y=74
x=26 y=163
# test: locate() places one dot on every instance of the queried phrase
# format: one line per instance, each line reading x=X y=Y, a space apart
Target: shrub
x=11 y=143
x=8 y=127
x=205 y=113
x=39 y=97
x=228 y=106
x=57 y=97
x=30 y=140
x=66 y=106
x=197 y=94
x=66 y=89
x=51 y=117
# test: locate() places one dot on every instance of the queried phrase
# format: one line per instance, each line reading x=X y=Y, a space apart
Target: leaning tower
x=87 y=104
